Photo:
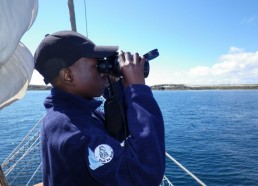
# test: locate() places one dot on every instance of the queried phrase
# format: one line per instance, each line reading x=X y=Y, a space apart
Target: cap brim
x=104 y=51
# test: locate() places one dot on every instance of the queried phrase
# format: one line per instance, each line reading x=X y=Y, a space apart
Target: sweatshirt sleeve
x=140 y=159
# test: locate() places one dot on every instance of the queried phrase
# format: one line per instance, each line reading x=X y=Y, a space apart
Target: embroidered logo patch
x=103 y=153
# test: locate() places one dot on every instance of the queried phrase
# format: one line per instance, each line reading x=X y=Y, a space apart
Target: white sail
x=16 y=61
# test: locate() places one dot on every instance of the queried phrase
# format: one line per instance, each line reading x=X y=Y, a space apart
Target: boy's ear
x=66 y=76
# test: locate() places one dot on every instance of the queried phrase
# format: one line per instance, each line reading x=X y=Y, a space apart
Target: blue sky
x=200 y=41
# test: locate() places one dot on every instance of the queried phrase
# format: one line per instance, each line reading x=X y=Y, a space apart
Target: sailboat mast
x=72 y=15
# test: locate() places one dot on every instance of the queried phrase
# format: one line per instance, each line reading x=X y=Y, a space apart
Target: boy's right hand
x=132 y=68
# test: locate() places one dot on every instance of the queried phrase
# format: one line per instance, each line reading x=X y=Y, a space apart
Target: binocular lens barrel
x=110 y=65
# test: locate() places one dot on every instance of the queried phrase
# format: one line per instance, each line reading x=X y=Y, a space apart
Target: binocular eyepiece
x=110 y=64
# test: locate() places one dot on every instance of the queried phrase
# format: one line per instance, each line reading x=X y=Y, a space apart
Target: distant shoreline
x=204 y=87
x=39 y=87
x=178 y=87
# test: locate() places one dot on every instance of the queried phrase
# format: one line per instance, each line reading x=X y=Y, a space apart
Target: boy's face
x=88 y=82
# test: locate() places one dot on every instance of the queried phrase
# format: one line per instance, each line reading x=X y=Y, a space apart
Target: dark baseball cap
x=62 y=49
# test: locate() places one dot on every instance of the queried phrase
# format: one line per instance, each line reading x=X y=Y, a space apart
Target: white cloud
x=235 y=49
x=237 y=66
x=248 y=20
x=254 y=72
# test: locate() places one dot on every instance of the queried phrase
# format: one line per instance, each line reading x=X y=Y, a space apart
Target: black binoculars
x=110 y=64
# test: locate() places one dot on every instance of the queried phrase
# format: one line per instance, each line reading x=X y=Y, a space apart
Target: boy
x=76 y=148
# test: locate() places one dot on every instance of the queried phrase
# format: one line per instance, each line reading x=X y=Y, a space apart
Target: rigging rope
x=85 y=14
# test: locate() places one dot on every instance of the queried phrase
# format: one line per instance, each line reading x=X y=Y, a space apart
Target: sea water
x=213 y=133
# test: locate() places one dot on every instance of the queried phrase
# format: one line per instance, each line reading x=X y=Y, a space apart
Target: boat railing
x=185 y=169
x=23 y=165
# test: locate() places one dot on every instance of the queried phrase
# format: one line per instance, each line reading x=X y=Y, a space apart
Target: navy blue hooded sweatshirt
x=77 y=150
